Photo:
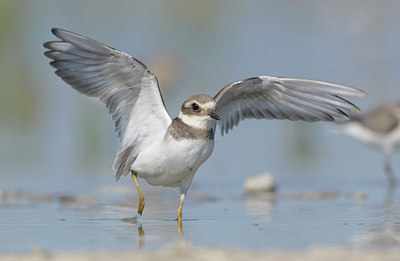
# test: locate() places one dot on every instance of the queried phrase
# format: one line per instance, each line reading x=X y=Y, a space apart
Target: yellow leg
x=141 y=198
x=179 y=212
x=180 y=230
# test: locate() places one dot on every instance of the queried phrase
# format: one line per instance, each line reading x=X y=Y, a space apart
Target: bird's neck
x=180 y=130
x=198 y=122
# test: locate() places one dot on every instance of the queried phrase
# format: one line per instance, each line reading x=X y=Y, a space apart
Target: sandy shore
x=209 y=254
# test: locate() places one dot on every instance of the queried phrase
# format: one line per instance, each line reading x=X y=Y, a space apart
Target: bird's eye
x=195 y=107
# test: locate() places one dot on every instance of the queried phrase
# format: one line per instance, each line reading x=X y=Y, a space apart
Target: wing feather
x=267 y=97
x=125 y=85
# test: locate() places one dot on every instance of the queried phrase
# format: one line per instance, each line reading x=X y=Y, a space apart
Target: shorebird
x=165 y=151
x=379 y=128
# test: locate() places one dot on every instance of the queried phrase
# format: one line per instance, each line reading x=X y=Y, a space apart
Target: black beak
x=214 y=116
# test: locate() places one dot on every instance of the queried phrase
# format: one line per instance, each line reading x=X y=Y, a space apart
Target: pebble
x=261 y=183
x=359 y=196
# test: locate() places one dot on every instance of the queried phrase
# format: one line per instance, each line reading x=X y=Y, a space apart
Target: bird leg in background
x=389 y=170
x=141 y=198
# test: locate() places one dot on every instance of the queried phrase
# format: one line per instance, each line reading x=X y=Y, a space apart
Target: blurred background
x=50 y=132
x=56 y=140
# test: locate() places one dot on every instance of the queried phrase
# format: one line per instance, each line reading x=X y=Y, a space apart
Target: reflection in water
x=385 y=234
x=134 y=220
x=141 y=234
x=389 y=196
x=260 y=205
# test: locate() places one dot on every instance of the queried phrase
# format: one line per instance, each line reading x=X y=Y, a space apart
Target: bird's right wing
x=268 y=97
x=128 y=89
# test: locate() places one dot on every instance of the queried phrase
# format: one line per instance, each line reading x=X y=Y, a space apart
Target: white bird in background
x=379 y=128
x=167 y=152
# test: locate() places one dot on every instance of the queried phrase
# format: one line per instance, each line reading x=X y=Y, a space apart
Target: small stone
x=41 y=197
x=360 y=196
x=262 y=183
x=204 y=197
x=66 y=199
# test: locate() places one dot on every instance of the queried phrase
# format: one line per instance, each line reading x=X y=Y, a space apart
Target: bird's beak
x=214 y=116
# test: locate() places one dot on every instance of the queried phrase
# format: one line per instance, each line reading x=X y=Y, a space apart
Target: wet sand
x=209 y=254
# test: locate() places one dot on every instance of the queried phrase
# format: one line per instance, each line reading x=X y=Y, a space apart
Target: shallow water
x=304 y=213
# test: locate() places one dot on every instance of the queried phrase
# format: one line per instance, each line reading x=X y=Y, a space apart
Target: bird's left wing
x=124 y=84
x=282 y=98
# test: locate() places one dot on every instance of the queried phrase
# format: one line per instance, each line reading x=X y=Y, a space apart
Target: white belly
x=386 y=142
x=172 y=163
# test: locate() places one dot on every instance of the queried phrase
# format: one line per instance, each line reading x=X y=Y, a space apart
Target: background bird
x=168 y=152
x=379 y=128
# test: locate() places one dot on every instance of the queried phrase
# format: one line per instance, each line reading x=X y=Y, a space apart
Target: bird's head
x=199 y=111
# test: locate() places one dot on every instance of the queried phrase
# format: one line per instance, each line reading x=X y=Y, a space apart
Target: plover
x=379 y=128
x=167 y=152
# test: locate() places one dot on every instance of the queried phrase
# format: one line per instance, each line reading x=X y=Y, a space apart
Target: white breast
x=386 y=142
x=172 y=163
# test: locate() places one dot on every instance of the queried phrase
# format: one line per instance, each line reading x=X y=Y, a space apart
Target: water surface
x=302 y=214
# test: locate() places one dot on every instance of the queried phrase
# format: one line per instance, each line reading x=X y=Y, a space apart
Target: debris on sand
x=330 y=194
x=358 y=196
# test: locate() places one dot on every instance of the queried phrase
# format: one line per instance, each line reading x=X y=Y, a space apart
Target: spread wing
x=267 y=97
x=127 y=88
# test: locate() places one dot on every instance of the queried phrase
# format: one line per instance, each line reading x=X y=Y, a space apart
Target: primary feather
x=125 y=85
x=282 y=98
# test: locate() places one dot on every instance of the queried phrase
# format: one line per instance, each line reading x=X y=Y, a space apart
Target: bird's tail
x=123 y=162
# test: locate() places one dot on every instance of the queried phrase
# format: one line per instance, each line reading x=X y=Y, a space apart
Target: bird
x=168 y=152
x=379 y=128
